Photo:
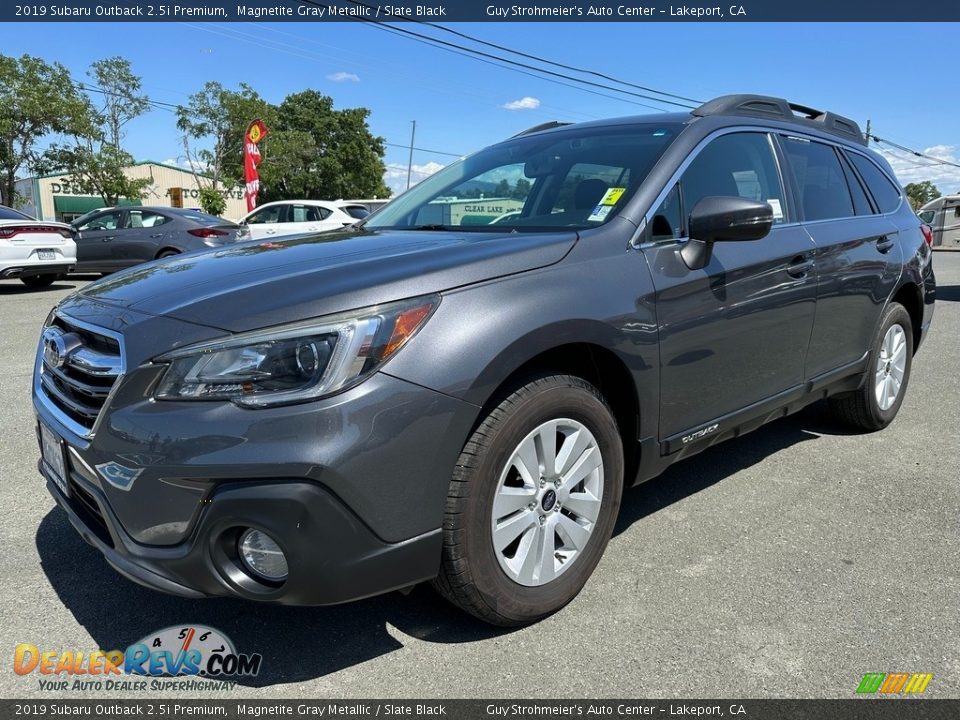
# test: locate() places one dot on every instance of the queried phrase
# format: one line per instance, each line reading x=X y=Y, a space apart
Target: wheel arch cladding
x=599 y=366
x=910 y=297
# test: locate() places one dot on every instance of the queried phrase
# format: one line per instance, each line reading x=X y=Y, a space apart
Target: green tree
x=96 y=161
x=213 y=124
x=921 y=193
x=212 y=201
x=36 y=99
x=315 y=151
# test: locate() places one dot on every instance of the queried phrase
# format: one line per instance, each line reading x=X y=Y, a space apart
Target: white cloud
x=395 y=176
x=181 y=162
x=343 y=77
x=524 y=103
x=914 y=169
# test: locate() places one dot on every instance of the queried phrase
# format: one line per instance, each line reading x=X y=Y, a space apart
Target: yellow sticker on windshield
x=611 y=196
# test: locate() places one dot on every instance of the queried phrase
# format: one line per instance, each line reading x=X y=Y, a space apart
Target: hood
x=257 y=284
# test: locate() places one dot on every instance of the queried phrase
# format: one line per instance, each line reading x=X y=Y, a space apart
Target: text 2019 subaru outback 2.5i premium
x=429 y=396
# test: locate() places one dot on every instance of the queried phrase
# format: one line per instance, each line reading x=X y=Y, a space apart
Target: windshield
x=576 y=178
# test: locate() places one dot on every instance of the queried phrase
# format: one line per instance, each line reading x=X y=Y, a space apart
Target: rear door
x=140 y=238
x=858 y=257
x=733 y=334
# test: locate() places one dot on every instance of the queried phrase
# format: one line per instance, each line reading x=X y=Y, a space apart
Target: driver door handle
x=157 y=235
x=799 y=267
x=108 y=238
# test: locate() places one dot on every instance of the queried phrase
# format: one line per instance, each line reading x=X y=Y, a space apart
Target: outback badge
x=117 y=475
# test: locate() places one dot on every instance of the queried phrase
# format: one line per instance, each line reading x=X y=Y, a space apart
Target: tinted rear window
x=11 y=214
x=884 y=192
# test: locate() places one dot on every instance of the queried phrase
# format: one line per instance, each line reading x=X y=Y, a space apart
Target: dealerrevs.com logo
x=178 y=651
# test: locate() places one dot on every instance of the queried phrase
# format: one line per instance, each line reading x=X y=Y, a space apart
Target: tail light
x=207 y=232
x=9 y=231
x=927 y=234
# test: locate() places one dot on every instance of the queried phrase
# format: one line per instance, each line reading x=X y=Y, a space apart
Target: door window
x=266 y=215
x=667 y=223
x=735 y=165
x=106 y=221
x=307 y=213
x=144 y=219
x=824 y=194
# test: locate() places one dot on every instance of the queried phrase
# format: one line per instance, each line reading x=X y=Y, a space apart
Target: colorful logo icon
x=178 y=650
x=894 y=683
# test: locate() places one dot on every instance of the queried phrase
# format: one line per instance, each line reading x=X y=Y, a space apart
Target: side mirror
x=723 y=219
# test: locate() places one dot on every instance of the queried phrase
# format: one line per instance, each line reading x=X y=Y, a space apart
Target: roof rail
x=542 y=126
x=779 y=109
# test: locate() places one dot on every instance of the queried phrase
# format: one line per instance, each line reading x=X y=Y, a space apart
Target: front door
x=734 y=333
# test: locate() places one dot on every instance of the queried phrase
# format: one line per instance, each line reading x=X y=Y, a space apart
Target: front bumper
x=352 y=488
x=333 y=557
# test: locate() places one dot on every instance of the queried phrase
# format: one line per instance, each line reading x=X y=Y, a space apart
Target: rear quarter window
x=885 y=193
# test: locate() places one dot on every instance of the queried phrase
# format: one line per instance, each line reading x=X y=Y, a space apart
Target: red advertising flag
x=256 y=132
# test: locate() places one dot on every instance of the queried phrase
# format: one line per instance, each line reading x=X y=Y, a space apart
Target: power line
x=419 y=37
x=936 y=160
x=420 y=149
x=387 y=28
x=529 y=56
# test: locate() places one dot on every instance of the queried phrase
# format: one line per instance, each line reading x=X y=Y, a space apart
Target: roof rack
x=779 y=109
x=542 y=126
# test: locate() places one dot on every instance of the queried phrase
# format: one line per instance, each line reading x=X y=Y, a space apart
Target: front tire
x=39 y=281
x=876 y=403
x=532 y=503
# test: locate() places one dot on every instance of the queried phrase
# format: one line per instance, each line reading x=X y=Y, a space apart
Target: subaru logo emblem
x=57 y=346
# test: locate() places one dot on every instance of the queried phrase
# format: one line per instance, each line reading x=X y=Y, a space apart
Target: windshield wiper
x=432 y=227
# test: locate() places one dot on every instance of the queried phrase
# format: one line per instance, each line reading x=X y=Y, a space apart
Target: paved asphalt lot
x=786 y=563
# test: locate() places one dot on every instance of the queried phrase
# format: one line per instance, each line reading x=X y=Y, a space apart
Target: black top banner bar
x=638 y=11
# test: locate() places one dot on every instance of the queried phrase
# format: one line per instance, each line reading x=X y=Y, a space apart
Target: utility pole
x=413 y=133
x=868 y=132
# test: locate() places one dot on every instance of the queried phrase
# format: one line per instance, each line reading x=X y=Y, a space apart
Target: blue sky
x=887 y=72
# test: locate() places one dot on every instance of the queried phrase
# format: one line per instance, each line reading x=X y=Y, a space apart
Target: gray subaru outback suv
x=458 y=388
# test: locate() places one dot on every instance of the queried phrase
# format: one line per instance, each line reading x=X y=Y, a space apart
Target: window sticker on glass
x=611 y=196
x=599 y=213
x=777 y=210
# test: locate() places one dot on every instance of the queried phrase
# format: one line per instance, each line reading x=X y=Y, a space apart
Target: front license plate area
x=51 y=449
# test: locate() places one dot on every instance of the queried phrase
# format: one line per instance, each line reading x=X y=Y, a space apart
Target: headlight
x=293 y=363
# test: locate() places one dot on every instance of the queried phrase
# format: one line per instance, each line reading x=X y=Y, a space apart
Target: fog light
x=263 y=556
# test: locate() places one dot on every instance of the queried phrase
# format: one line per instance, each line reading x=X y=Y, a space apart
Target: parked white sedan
x=292 y=217
x=35 y=251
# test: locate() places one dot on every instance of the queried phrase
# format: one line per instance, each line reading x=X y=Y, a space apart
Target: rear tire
x=39 y=281
x=876 y=403
x=532 y=503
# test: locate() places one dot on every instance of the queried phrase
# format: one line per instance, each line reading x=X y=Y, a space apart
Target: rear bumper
x=20 y=271
x=332 y=555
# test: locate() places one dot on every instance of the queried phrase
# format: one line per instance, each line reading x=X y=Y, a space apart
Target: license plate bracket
x=52 y=452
